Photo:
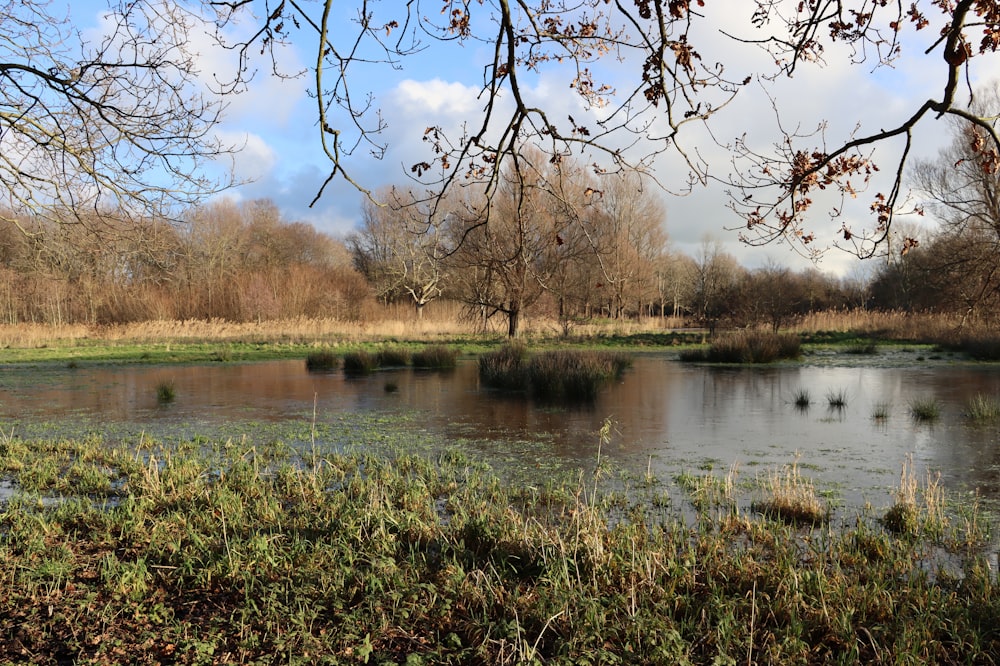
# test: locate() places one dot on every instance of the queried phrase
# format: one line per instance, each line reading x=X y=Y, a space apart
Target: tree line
x=226 y=260
x=552 y=239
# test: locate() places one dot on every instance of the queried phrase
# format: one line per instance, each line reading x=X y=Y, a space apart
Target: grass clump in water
x=748 y=347
x=836 y=399
x=436 y=357
x=392 y=357
x=983 y=409
x=916 y=509
x=862 y=349
x=505 y=368
x=320 y=361
x=360 y=362
x=881 y=410
x=925 y=410
x=552 y=375
x=165 y=392
x=801 y=398
x=233 y=552
x=792 y=498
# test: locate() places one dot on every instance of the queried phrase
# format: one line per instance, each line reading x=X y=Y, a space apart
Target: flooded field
x=667 y=417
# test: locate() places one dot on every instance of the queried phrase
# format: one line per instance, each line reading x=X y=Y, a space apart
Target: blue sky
x=275 y=119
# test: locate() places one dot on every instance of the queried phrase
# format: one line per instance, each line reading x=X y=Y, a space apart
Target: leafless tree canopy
x=115 y=121
x=123 y=120
x=665 y=79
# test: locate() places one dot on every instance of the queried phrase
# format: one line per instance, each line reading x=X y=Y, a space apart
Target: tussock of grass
x=505 y=368
x=881 y=410
x=983 y=409
x=748 y=347
x=436 y=357
x=321 y=361
x=552 y=375
x=392 y=357
x=925 y=409
x=836 y=399
x=360 y=362
x=792 y=498
x=918 y=509
x=242 y=553
x=801 y=398
x=165 y=392
x=862 y=349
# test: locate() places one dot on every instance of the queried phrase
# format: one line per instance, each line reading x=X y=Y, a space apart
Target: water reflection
x=681 y=416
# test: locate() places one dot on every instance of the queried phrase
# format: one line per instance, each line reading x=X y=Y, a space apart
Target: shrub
x=436 y=357
x=321 y=360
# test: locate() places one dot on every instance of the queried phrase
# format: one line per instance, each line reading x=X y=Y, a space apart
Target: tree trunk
x=513 y=320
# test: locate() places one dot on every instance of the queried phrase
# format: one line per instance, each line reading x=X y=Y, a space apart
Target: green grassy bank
x=229 y=552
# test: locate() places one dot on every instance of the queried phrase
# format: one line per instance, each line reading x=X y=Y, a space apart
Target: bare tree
x=400 y=249
x=963 y=193
x=666 y=82
x=118 y=123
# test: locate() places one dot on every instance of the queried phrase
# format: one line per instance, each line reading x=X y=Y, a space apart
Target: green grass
x=241 y=552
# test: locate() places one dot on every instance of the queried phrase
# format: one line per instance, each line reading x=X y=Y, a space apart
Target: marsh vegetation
x=239 y=551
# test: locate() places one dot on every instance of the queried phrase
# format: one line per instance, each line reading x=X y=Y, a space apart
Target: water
x=666 y=415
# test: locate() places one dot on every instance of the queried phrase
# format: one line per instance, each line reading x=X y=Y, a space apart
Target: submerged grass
x=230 y=552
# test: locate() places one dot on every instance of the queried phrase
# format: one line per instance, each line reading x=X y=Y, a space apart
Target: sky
x=275 y=122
